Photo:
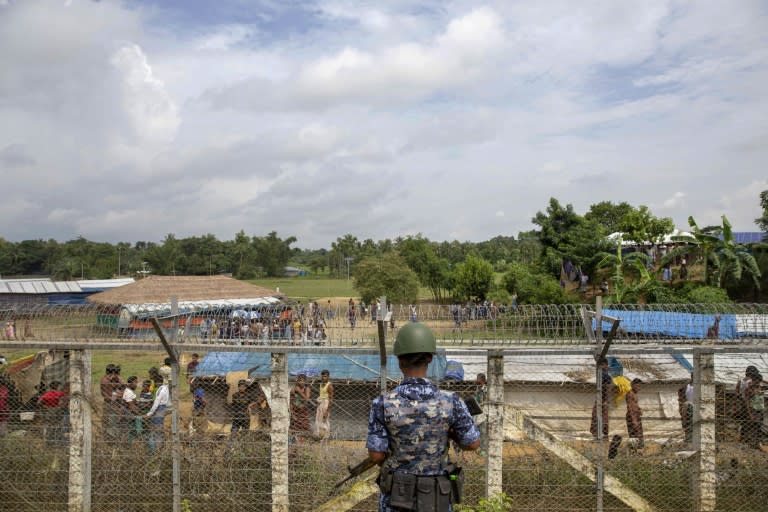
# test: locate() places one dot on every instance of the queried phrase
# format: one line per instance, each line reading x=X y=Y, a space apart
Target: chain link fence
x=240 y=432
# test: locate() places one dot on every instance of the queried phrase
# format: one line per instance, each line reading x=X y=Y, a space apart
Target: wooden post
x=279 y=432
x=599 y=470
x=495 y=422
x=535 y=432
x=175 y=438
x=703 y=477
x=173 y=388
x=80 y=434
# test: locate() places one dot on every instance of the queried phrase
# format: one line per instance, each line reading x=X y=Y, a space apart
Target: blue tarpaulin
x=677 y=325
x=357 y=367
x=615 y=368
x=454 y=370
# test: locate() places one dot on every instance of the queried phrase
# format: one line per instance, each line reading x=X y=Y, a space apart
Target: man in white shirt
x=132 y=408
x=129 y=394
x=157 y=413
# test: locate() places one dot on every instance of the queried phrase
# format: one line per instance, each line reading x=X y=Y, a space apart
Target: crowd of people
x=11 y=332
x=292 y=324
x=131 y=412
x=250 y=401
x=135 y=408
x=309 y=323
x=461 y=314
x=50 y=402
x=747 y=408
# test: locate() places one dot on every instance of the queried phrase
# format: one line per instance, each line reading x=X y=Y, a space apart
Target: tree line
x=528 y=266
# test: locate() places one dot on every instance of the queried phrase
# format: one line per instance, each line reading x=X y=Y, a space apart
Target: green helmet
x=414 y=338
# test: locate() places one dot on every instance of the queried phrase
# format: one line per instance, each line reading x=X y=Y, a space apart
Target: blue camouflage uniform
x=411 y=425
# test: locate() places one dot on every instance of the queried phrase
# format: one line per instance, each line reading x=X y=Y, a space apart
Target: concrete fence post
x=80 y=432
x=495 y=422
x=279 y=433
x=703 y=475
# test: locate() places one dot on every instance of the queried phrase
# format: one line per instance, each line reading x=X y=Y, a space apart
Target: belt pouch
x=385 y=481
x=403 y=492
x=444 y=489
x=425 y=497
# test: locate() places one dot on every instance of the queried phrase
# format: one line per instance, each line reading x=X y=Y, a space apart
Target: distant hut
x=200 y=298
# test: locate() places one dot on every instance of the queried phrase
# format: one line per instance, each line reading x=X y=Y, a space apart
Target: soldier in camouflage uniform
x=409 y=427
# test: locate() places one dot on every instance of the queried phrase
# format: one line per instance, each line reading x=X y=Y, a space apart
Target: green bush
x=708 y=295
x=657 y=293
x=533 y=287
x=499 y=295
x=497 y=503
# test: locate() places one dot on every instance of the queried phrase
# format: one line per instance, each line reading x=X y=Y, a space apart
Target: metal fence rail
x=697 y=451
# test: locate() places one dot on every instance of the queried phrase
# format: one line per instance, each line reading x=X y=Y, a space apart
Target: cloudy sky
x=457 y=119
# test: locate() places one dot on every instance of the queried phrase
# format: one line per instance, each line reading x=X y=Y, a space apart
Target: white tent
x=668 y=239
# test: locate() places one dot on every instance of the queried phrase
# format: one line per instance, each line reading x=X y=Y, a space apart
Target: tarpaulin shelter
x=348 y=367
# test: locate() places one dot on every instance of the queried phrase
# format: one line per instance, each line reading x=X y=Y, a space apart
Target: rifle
x=357 y=470
x=472 y=406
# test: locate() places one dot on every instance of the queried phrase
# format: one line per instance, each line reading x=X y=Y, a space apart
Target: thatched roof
x=160 y=289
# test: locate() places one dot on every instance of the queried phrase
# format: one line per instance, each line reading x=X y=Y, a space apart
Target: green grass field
x=305 y=288
x=131 y=363
x=313 y=288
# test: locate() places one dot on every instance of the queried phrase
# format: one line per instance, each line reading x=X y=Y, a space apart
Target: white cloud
x=151 y=111
x=460 y=56
x=59 y=215
x=359 y=117
x=369 y=18
x=674 y=201
x=225 y=37
x=742 y=205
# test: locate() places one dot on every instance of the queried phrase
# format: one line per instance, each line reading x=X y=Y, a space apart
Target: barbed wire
x=336 y=325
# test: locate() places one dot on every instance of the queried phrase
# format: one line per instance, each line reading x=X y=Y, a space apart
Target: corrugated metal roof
x=747 y=237
x=559 y=369
x=192 y=306
x=579 y=368
x=103 y=284
x=159 y=289
x=38 y=286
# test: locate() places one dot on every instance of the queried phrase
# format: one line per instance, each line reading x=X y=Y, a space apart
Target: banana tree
x=633 y=265
x=733 y=259
x=718 y=252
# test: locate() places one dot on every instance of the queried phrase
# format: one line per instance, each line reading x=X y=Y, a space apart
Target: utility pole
x=348 y=259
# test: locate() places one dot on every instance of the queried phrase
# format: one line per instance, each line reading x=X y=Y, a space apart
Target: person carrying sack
x=409 y=430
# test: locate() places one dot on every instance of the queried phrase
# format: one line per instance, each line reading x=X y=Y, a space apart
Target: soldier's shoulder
x=448 y=395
